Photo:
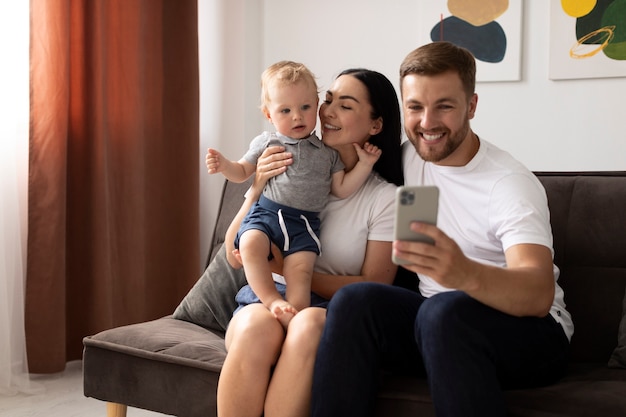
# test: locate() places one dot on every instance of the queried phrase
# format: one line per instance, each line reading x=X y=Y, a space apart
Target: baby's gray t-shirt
x=305 y=185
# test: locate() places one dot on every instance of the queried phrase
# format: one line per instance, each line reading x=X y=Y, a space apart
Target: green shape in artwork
x=616 y=51
x=615 y=16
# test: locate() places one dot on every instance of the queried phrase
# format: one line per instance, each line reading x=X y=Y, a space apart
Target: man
x=489 y=314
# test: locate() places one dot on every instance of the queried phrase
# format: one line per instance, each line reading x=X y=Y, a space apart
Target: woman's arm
x=272 y=162
x=231 y=232
x=377 y=267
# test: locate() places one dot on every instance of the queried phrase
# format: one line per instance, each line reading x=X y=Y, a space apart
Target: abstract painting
x=587 y=39
x=490 y=29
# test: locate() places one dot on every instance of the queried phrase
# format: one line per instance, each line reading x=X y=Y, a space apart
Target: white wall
x=573 y=125
x=549 y=125
x=230 y=65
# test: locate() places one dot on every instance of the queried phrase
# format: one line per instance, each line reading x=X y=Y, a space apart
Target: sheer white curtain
x=14 y=117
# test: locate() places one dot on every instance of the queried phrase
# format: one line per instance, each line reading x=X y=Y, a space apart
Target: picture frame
x=490 y=29
x=584 y=54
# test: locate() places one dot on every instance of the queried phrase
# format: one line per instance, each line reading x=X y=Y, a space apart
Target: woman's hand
x=273 y=161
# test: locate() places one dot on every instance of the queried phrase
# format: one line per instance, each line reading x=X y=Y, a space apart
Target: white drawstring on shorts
x=283 y=228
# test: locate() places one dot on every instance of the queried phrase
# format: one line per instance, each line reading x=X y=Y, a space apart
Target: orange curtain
x=113 y=174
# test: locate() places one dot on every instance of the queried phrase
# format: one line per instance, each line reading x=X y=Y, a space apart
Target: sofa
x=171 y=365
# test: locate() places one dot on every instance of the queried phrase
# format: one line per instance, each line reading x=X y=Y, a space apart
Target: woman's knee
x=255 y=326
x=305 y=329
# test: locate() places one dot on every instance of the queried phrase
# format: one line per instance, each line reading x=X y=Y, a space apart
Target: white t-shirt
x=347 y=224
x=487 y=206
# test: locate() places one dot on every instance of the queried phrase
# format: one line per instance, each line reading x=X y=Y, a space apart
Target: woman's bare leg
x=289 y=393
x=253 y=340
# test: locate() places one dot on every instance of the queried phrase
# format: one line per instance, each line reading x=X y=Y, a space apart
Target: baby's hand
x=369 y=154
x=214 y=161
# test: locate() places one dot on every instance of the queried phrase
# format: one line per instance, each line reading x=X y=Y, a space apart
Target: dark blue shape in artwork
x=487 y=42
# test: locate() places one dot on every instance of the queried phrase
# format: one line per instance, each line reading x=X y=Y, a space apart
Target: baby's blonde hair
x=284 y=73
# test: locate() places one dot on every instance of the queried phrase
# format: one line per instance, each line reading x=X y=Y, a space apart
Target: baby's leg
x=298 y=272
x=253 y=248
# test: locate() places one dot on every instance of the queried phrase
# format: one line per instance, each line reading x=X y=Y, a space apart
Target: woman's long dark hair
x=384 y=101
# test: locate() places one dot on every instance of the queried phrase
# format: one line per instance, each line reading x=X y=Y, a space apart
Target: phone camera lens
x=407 y=198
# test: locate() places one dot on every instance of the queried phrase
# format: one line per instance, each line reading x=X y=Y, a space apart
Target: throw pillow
x=618 y=358
x=211 y=301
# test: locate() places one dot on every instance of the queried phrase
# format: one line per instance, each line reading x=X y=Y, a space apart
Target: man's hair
x=284 y=73
x=439 y=57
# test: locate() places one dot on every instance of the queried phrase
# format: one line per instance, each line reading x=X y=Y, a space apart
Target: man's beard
x=451 y=145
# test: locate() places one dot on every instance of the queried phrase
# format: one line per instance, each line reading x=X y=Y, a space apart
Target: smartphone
x=414 y=203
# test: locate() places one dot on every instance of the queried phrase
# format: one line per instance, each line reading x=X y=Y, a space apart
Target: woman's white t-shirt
x=347 y=224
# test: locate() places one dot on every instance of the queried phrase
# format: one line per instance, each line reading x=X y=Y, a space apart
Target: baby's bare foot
x=284 y=312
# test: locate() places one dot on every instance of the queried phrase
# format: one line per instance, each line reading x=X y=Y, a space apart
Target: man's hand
x=442 y=261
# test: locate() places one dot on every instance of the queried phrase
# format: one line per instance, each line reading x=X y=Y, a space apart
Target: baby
x=287 y=212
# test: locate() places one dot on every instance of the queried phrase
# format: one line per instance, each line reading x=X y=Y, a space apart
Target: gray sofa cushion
x=164 y=365
x=211 y=301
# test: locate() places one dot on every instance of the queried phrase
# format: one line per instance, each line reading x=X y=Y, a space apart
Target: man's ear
x=377 y=126
x=472 y=106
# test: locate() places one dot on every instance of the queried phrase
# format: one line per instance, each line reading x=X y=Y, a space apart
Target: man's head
x=437 y=87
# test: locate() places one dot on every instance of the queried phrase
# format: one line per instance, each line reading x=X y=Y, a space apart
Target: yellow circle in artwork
x=578 y=8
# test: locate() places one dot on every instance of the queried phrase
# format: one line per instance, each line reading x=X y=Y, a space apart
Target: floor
x=61 y=396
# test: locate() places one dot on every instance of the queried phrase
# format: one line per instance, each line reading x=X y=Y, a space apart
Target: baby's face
x=292 y=109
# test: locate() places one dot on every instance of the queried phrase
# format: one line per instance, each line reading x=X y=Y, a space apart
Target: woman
x=267 y=370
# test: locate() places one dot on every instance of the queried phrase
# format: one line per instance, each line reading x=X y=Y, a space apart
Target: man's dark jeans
x=470 y=351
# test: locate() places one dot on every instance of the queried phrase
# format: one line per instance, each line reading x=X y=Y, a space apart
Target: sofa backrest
x=230 y=201
x=588 y=217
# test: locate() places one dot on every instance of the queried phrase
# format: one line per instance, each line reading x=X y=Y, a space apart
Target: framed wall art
x=587 y=39
x=490 y=29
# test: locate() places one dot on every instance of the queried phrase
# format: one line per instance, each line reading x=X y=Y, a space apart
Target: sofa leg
x=116 y=410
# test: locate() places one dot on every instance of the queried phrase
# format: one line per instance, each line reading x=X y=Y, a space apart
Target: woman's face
x=346 y=114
